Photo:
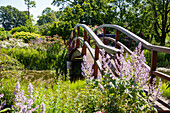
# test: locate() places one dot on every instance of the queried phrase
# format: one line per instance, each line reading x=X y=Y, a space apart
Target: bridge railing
x=154 y=49
x=99 y=44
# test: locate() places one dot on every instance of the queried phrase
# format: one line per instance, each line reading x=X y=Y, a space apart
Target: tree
x=11 y=17
x=92 y=11
x=30 y=4
x=48 y=16
x=29 y=26
x=161 y=17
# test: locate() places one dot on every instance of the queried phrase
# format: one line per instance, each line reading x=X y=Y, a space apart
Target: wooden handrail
x=99 y=43
x=90 y=50
x=154 y=49
x=136 y=38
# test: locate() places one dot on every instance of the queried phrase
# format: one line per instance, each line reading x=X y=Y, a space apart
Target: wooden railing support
x=117 y=39
x=104 y=34
x=99 y=44
x=78 y=34
x=104 y=40
x=118 y=47
x=95 y=67
x=153 y=64
x=73 y=44
x=84 y=46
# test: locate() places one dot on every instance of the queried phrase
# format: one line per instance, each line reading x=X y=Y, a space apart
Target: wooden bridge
x=93 y=53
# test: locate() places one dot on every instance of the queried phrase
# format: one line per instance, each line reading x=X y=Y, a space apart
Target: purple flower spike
x=17 y=86
x=43 y=108
x=86 y=68
x=30 y=89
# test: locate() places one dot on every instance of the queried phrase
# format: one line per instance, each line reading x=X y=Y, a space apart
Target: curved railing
x=154 y=49
x=112 y=50
x=98 y=45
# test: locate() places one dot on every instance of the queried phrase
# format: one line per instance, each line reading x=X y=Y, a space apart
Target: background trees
x=48 y=16
x=147 y=18
x=30 y=4
x=11 y=17
x=160 y=10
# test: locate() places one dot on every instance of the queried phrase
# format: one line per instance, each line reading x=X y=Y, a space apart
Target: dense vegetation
x=33 y=74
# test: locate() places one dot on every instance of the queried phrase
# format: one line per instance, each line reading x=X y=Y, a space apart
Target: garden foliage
x=125 y=90
x=26 y=36
x=38 y=56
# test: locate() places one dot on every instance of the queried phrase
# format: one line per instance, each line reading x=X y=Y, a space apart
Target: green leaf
x=4 y=110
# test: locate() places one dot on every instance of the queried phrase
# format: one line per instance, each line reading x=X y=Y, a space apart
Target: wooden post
x=118 y=47
x=95 y=67
x=73 y=44
x=84 y=46
x=78 y=34
x=117 y=39
x=104 y=40
x=104 y=34
x=153 y=64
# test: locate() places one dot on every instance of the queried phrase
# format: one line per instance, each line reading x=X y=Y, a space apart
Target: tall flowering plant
x=126 y=92
x=24 y=104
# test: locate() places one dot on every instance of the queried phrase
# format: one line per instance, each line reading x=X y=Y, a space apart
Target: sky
x=20 y=5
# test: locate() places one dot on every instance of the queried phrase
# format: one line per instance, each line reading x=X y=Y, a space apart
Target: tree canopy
x=48 y=16
x=30 y=4
x=150 y=18
x=11 y=17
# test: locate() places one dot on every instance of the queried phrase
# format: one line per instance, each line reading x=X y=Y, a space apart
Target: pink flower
x=127 y=37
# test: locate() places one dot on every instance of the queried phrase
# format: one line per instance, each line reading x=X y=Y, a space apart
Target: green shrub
x=31 y=58
x=45 y=29
x=61 y=67
x=41 y=56
x=8 y=63
x=18 y=29
x=4 y=35
x=7 y=88
x=162 y=59
x=26 y=36
x=62 y=28
x=166 y=90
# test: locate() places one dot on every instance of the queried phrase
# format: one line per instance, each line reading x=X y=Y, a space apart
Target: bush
x=166 y=90
x=61 y=67
x=128 y=42
x=8 y=63
x=14 y=43
x=45 y=29
x=4 y=35
x=30 y=58
x=26 y=36
x=62 y=28
x=162 y=59
x=18 y=29
x=40 y=56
